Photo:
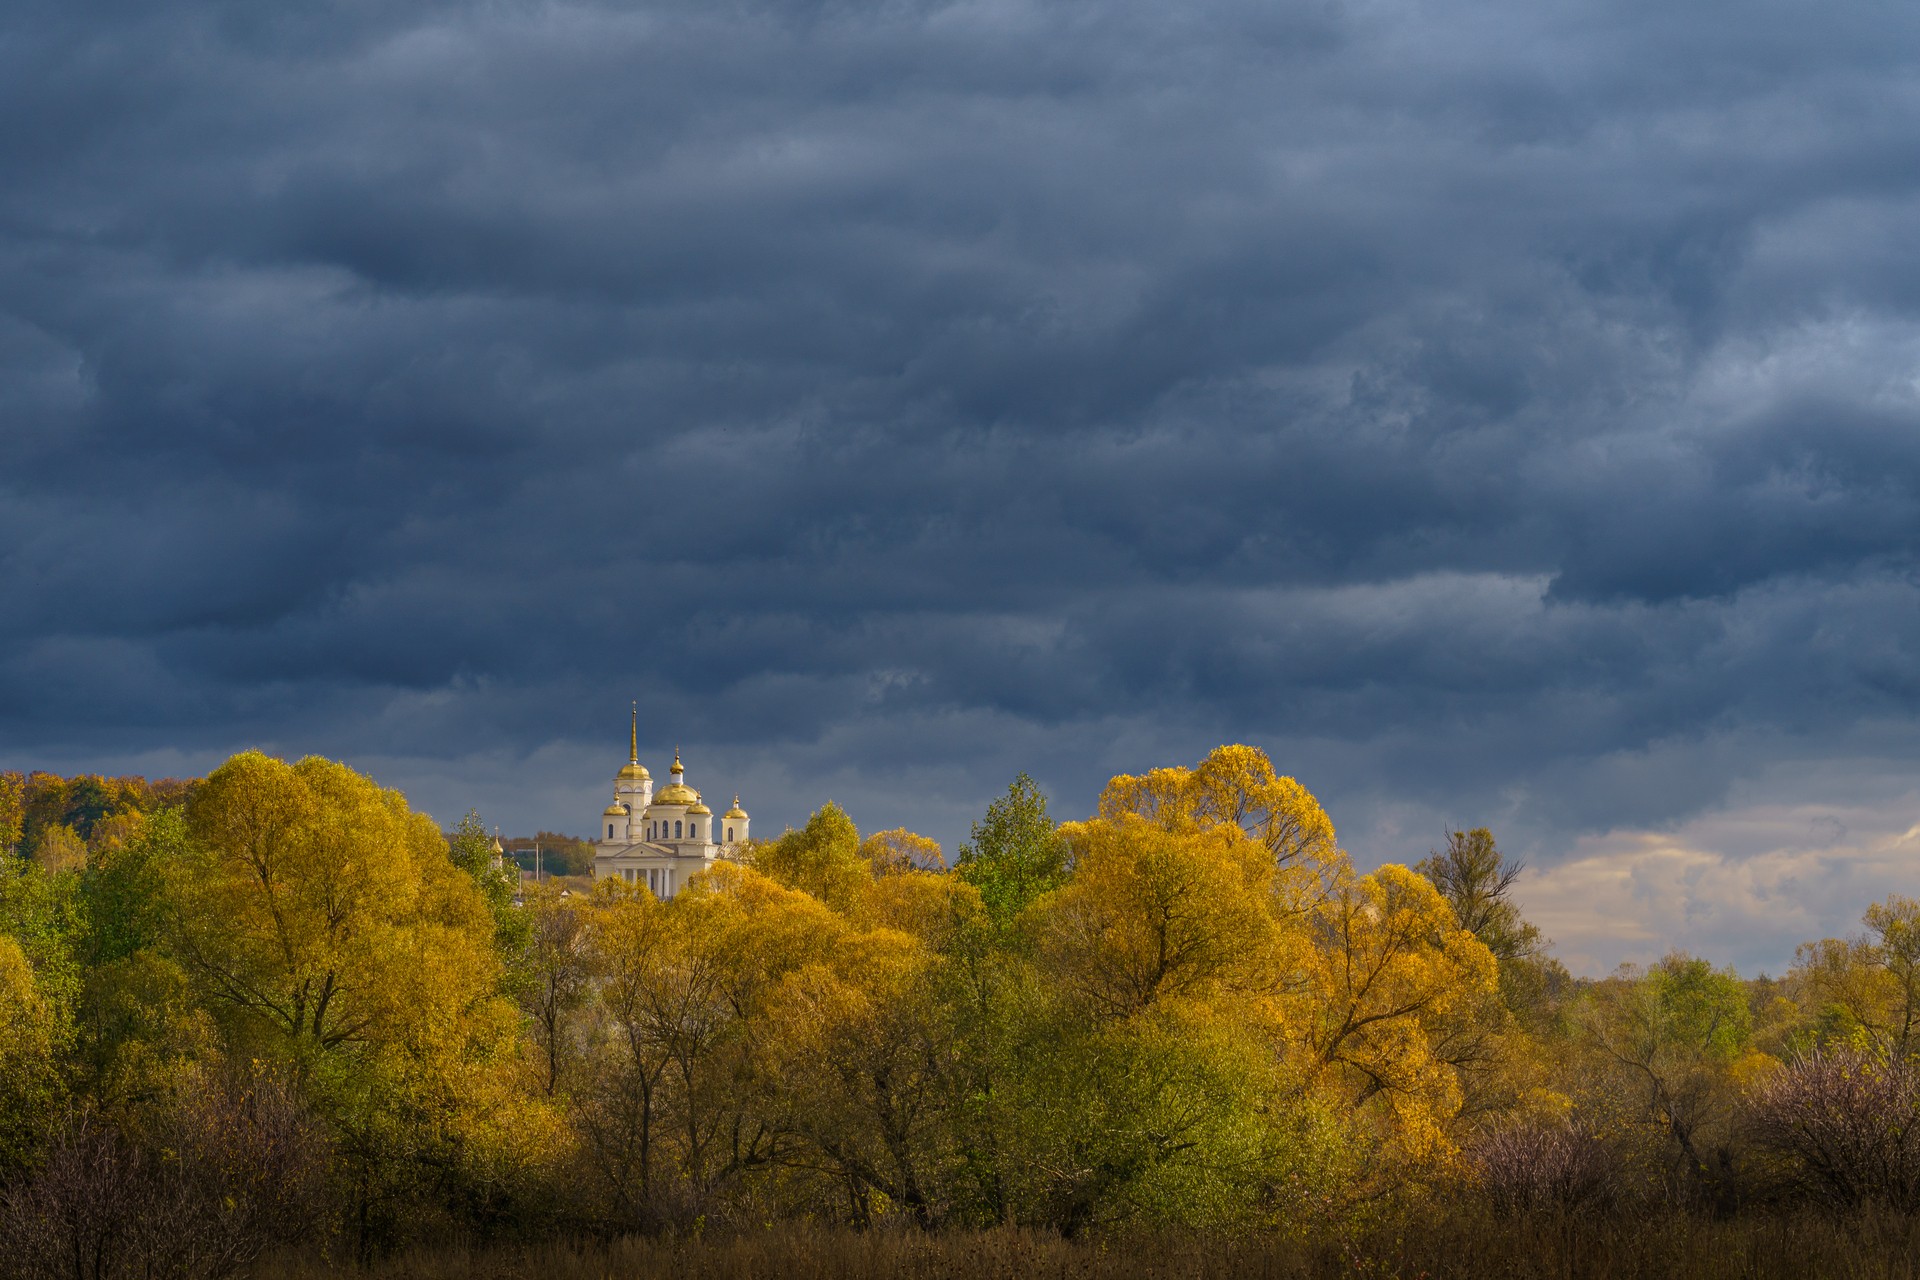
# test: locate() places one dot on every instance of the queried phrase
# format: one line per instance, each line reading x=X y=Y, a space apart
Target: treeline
x=278 y=1008
x=548 y=853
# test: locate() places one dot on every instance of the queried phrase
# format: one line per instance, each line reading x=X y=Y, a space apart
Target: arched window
x=676 y=830
x=729 y=835
x=609 y=831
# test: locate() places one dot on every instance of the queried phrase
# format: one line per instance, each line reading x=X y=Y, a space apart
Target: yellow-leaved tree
x=1237 y=786
x=328 y=928
x=898 y=850
x=1362 y=982
x=677 y=1107
x=1154 y=913
x=1866 y=989
x=29 y=1057
x=859 y=1060
x=1157 y=1091
x=1392 y=976
x=822 y=858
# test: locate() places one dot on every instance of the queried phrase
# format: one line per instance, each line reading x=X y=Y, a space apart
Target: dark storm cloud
x=899 y=383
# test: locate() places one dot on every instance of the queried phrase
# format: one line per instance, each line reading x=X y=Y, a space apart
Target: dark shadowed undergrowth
x=1791 y=1247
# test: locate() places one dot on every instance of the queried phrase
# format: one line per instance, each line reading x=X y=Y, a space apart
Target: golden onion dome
x=677 y=769
x=676 y=793
x=701 y=810
x=736 y=811
x=635 y=771
x=614 y=810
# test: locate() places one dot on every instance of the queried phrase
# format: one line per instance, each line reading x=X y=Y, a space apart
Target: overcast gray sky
x=1504 y=412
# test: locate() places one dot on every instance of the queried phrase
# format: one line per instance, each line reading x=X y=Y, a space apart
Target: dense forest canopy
x=277 y=1005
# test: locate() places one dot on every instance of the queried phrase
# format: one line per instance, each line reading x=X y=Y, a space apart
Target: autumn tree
x=621 y=1107
x=325 y=924
x=1866 y=989
x=1895 y=928
x=676 y=1108
x=316 y=906
x=1160 y=1075
x=1153 y=913
x=13 y=810
x=140 y=1028
x=1376 y=993
x=898 y=850
x=858 y=1050
x=823 y=858
x=30 y=1043
x=1238 y=786
x=1391 y=978
x=1503 y=1062
x=556 y=975
x=1676 y=1041
x=59 y=849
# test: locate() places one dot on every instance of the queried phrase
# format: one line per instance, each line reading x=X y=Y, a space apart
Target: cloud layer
x=1502 y=412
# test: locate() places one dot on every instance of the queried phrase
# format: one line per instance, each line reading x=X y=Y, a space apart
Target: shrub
x=1848 y=1122
x=1534 y=1165
x=224 y=1176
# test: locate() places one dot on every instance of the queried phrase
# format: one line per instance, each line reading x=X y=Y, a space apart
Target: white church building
x=660 y=839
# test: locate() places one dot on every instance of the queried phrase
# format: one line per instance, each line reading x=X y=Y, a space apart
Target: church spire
x=633 y=771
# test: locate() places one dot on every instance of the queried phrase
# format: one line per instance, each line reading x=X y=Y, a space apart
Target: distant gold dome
x=676 y=793
x=736 y=811
x=614 y=810
x=700 y=809
x=633 y=770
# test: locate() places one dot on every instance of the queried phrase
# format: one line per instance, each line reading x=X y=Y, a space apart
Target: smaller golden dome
x=676 y=793
x=677 y=769
x=701 y=810
x=614 y=810
x=736 y=811
x=634 y=770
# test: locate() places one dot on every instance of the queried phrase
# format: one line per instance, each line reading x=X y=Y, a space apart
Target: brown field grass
x=1789 y=1247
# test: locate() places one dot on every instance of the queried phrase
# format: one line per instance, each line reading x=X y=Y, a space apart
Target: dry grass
x=1789 y=1247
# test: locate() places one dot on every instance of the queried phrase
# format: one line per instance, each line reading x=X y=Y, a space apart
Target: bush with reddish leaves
x=1532 y=1166
x=1847 y=1123
x=222 y=1177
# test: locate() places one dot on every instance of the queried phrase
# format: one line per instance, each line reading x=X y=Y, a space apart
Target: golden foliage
x=1237 y=786
x=29 y=1049
x=1154 y=912
x=1389 y=970
x=320 y=906
x=900 y=850
x=1189 y=1009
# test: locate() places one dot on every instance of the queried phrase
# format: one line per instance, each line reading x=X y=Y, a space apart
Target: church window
x=729 y=835
x=676 y=830
x=609 y=831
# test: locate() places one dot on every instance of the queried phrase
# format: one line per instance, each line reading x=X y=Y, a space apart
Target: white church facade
x=660 y=839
